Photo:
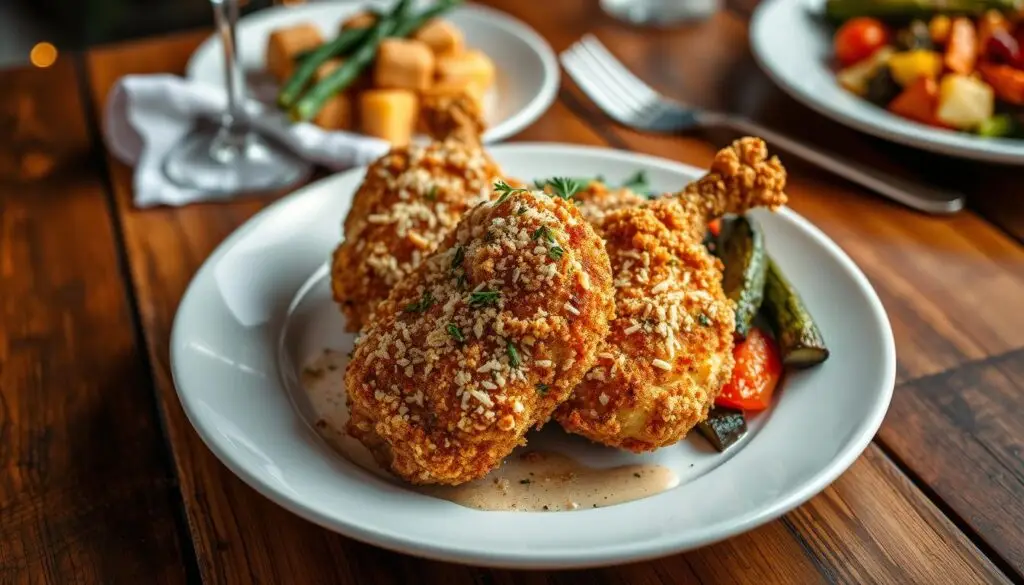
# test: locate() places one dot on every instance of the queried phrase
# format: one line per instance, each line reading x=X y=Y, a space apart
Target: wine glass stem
x=233 y=132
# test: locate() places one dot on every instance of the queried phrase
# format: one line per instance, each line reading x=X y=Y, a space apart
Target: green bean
x=344 y=42
x=412 y=24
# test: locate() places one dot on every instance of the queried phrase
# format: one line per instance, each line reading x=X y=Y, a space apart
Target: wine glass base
x=209 y=161
x=659 y=13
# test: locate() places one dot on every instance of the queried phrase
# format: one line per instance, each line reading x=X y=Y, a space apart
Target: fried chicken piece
x=597 y=200
x=482 y=341
x=669 y=351
x=410 y=199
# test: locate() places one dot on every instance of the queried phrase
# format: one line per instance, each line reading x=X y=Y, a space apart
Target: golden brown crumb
x=669 y=350
x=409 y=201
x=482 y=341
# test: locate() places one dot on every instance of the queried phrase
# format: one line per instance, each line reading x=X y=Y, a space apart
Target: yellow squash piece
x=964 y=101
x=404 y=64
x=285 y=44
x=389 y=114
x=441 y=36
x=908 y=66
x=467 y=66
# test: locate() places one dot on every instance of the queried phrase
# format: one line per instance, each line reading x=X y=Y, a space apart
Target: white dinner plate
x=260 y=308
x=793 y=45
x=527 y=71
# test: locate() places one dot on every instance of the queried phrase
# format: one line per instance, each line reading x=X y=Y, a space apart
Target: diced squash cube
x=443 y=37
x=855 y=77
x=327 y=68
x=908 y=66
x=389 y=114
x=964 y=101
x=359 y=20
x=403 y=64
x=471 y=65
x=336 y=113
x=285 y=44
x=453 y=88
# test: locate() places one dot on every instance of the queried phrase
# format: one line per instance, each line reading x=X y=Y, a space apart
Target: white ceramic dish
x=794 y=47
x=527 y=80
x=256 y=294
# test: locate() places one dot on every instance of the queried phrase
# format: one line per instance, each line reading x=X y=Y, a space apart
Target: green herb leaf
x=432 y=193
x=541 y=388
x=565 y=187
x=421 y=305
x=555 y=252
x=703 y=319
x=455 y=333
x=504 y=190
x=544 y=232
x=460 y=255
x=638 y=182
x=522 y=209
x=513 y=355
x=484 y=298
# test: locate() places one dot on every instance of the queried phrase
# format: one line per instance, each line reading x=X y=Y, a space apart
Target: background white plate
x=794 y=47
x=527 y=71
x=224 y=356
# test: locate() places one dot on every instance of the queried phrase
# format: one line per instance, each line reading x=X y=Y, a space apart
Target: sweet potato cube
x=389 y=114
x=472 y=65
x=336 y=113
x=285 y=44
x=404 y=64
x=441 y=36
x=359 y=20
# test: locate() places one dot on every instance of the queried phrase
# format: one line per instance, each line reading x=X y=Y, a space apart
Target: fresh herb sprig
x=484 y=298
x=505 y=190
x=421 y=306
x=513 y=355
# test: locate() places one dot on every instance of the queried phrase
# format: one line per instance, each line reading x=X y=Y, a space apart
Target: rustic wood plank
x=87 y=494
x=961 y=433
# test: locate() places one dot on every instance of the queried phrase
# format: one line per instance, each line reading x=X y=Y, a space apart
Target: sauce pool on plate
x=530 y=481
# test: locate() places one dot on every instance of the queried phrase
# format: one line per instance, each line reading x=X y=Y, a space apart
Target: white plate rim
x=862 y=115
x=534 y=109
x=609 y=554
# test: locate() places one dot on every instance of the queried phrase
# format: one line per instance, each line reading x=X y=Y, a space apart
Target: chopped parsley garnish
x=522 y=209
x=565 y=187
x=637 y=182
x=455 y=333
x=555 y=252
x=432 y=193
x=460 y=255
x=421 y=305
x=484 y=298
x=544 y=232
x=461 y=282
x=703 y=319
x=504 y=190
x=513 y=355
x=541 y=388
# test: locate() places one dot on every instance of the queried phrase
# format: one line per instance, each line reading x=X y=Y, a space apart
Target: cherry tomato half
x=858 y=39
x=757 y=372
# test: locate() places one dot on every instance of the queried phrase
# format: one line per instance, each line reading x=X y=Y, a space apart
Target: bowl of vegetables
x=943 y=75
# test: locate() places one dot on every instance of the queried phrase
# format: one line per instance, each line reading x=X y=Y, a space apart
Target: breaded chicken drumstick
x=409 y=201
x=670 y=347
x=482 y=341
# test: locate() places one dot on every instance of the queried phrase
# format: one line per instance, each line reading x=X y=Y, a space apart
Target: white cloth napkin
x=146 y=115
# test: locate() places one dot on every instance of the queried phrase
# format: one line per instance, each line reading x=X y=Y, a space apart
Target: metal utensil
x=631 y=102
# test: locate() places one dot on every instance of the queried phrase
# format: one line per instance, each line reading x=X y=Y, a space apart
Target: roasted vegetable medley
x=952 y=64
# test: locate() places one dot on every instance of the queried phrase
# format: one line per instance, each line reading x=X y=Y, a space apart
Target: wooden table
x=104 y=481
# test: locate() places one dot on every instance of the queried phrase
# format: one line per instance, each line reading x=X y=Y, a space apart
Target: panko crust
x=597 y=200
x=669 y=350
x=482 y=341
x=408 y=202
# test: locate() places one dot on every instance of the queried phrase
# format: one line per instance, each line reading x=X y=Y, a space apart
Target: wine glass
x=230 y=156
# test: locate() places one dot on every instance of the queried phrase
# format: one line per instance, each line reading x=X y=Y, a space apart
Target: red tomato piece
x=715 y=227
x=757 y=372
x=858 y=39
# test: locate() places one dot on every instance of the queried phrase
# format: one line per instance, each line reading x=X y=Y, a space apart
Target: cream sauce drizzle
x=530 y=481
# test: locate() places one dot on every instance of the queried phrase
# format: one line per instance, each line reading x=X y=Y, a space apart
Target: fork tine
x=600 y=74
x=586 y=79
x=618 y=72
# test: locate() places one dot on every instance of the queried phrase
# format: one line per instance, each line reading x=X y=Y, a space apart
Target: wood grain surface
x=88 y=494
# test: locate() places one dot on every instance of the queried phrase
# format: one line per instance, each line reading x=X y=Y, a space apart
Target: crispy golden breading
x=669 y=350
x=597 y=200
x=482 y=341
x=410 y=199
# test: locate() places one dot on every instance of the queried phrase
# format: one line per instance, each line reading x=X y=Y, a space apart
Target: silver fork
x=633 y=103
